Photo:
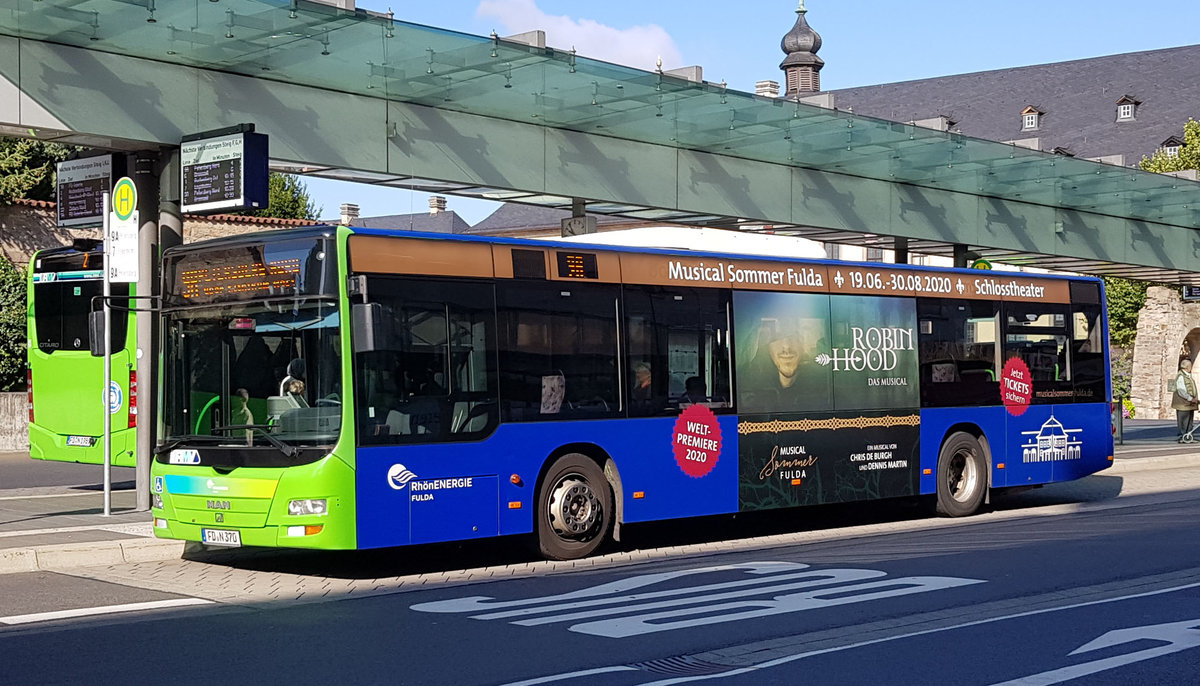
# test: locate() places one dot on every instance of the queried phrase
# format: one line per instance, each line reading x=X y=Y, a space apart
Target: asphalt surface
x=51 y=514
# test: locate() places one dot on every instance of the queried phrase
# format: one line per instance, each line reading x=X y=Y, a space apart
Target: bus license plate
x=221 y=537
x=82 y=441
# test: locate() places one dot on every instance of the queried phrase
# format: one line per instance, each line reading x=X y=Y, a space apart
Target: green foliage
x=27 y=168
x=1122 y=373
x=1188 y=157
x=1125 y=299
x=12 y=327
x=287 y=199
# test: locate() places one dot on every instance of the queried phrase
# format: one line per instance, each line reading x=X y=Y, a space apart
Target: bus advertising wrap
x=800 y=354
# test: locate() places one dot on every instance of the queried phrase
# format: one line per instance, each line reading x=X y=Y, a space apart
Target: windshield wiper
x=289 y=450
x=174 y=441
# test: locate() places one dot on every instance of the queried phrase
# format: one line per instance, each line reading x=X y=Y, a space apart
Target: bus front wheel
x=574 y=512
x=961 y=476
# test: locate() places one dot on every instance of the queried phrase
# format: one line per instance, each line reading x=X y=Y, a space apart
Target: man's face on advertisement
x=785 y=353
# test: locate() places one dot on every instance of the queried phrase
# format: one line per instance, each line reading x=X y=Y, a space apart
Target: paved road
x=1097 y=578
x=17 y=470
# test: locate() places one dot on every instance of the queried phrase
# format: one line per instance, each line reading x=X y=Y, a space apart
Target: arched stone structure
x=1168 y=331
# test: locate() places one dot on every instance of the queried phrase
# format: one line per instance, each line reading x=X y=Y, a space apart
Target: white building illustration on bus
x=1051 y=443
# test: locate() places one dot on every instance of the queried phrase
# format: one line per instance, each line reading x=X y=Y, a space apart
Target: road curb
x=62 y=556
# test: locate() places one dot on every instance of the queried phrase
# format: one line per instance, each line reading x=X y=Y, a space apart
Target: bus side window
x=677 y=349
x=430 y=376
x=1088 y=354
x=558 y=350
x=956 y=346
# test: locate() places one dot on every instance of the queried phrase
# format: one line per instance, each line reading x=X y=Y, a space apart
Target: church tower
x=801 y=67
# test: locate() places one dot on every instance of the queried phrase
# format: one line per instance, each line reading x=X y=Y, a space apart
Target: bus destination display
x=80 y=190
x=226 y=173
x=577 y=266
x=229 y=279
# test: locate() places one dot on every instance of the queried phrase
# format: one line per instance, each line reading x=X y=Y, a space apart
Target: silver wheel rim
x=575 y=509
x=962 y=477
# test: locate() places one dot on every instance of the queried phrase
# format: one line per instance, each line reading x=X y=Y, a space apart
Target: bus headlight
x=156 y=501
x=307 y=507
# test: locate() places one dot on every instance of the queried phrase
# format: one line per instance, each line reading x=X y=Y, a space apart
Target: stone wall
x=1168 y=331
x=14 y=421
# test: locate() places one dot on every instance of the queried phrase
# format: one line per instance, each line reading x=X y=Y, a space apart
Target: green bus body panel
x=255 y=502
x=68 y=398
x=263 y=520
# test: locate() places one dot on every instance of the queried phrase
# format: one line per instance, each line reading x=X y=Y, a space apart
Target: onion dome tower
x=801 y=67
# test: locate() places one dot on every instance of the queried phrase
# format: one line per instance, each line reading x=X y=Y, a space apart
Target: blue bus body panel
x=455 y=491
x=458 y=491
x=1044 y=444
x=936 y=424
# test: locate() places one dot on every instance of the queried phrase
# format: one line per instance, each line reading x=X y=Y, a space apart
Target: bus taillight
x=132 y=400
x=29 y=390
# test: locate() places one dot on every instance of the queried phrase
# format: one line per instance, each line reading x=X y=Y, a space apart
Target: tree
x=27 y=168
x=287 y=198
x=1188 y=157
x=1125 y=299
x=12 y=327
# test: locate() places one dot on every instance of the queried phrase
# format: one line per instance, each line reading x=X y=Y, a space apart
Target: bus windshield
x=264 y=374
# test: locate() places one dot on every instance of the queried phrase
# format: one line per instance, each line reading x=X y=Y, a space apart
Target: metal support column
x=901 y=248
x=960 y=255
x=145 y=178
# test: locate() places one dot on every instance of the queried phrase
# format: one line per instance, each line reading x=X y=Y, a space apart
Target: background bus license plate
x=221 y=537
x=84 y=441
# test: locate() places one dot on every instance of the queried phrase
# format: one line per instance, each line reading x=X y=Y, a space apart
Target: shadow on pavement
x=423 y=559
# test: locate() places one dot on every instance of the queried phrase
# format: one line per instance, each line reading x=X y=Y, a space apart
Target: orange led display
x=274 y=276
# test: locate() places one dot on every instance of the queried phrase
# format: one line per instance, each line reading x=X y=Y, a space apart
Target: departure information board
x=224 y=173
x=80 y=187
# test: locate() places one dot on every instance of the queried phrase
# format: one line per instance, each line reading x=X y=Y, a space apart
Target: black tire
x=962 y=476
x=574 y=509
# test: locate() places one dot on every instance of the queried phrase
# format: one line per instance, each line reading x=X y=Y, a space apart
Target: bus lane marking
x=611 y=611
x=1162 y=632
x=1178 y=637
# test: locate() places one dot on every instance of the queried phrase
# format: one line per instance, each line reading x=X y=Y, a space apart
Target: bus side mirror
x=371 y=328
x=96 y=333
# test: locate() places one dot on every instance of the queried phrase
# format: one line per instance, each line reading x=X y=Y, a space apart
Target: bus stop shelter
x=361 y=96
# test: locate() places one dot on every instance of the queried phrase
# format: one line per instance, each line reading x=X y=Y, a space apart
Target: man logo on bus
x=399 y=476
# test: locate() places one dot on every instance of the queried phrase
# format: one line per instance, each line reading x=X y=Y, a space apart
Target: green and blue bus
x=65 y=379
x=357 y=388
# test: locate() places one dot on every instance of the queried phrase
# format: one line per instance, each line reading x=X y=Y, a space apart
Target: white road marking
x=609 y=610
x=567 y=676
x=136 y=529
x=1178 y=636
x=103 y=610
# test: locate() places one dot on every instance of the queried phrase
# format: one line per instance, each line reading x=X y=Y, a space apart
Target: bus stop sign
x=121 y=238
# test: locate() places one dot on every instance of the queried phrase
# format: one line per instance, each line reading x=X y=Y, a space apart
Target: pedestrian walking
x=1183 y=400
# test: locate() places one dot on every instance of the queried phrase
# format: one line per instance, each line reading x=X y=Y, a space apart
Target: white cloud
x=635 y=46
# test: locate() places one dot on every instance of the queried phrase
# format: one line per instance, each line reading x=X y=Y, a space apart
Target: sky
x=865 y=42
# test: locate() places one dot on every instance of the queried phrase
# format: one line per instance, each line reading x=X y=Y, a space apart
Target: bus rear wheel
x=574 y=512
x=961 y=476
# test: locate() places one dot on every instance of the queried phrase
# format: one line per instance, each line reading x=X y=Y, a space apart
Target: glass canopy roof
x=366 y=53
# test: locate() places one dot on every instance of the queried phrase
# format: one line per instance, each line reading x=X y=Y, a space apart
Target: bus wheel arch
x=963 y=471
x=575 y=508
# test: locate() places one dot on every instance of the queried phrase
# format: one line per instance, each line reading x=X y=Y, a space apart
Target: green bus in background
x=65 y=380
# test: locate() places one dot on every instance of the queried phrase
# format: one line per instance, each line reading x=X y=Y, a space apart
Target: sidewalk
x=64 y=526
x=59 y=527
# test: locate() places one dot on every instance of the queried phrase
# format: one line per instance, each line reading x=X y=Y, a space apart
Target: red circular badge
x=1016 y=386
x=697 y=441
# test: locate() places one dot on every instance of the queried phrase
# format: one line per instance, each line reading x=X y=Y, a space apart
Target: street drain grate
x=681 y=666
